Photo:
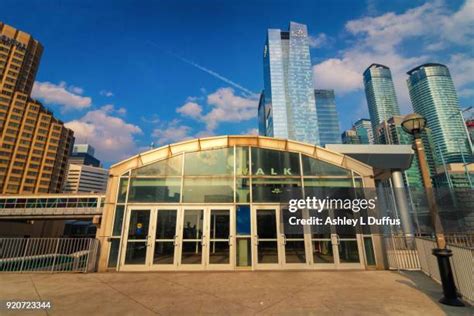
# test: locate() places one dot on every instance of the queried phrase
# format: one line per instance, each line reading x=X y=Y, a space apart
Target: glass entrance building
x=221 y=203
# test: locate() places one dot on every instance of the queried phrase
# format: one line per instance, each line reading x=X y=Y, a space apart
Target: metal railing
x=402 y=253
x=462 y=264
x=460 y=239
x=48 y=254
x=415 y=253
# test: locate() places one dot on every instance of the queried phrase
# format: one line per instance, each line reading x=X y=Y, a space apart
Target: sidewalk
x=230 y=293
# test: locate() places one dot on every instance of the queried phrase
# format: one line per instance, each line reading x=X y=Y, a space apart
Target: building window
x=154 y=190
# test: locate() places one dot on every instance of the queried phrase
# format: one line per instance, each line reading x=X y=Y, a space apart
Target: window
x=208 y=190
x=266 y=162
x=167 y=167
x=154 y=190
x=209 y=162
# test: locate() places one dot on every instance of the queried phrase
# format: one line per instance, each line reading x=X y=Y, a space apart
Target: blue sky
x=124 y=74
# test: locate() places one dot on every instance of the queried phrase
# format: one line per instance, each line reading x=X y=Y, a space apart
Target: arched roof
x=217 y=142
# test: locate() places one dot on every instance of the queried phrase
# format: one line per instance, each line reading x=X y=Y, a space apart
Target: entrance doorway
x=278 y=245
x=204 y=238
x=178 y=238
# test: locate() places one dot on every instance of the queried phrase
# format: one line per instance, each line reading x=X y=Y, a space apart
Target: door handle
x=174 y=240
x=284 y=239
x=203 y=243
x=230 y=240
x=256 y=240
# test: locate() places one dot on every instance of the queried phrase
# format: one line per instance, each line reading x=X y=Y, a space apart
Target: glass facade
x=433 y=95
x=229 y=175
x=350 y=137
x=223 y=205
x=364 y=130
x=288 y=104
x=328 y=119
x=391 y=132
x=380 y=94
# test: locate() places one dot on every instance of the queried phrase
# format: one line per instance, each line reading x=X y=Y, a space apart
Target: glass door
x=293 y=241
x=266 y=237
x=220 y=238
x=193 y=240
x=348 y=243
x=137 y=252
x=322 y=245
x=165 y=242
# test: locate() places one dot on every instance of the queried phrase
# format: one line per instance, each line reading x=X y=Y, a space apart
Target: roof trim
x=225 y=141
x=374 y=64
x=425 y=65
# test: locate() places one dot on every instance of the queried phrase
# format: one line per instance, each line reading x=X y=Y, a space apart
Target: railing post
x=24 y=254
x=88 y=255
x=55 y=255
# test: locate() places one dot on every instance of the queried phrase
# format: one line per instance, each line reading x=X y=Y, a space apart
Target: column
x=402 y=202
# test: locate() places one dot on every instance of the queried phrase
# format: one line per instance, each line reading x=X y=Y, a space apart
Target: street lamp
x=414 y=124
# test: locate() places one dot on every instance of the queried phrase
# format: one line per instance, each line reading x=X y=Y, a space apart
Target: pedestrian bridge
x=51 y=206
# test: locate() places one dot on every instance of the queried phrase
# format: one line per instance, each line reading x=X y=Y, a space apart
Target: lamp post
x=414 y=124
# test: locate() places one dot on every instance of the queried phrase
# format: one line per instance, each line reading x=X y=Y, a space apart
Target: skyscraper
x=85 y=173
x=34 y=145
x=288 y=98
x=328 y=119
x=433 y=95
x=83 y=154
x=390 y=132
x=350 y=137
x=380 y=94
x=364 y=130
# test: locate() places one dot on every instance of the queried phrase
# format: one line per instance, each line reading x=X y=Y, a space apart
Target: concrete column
x=402 y=202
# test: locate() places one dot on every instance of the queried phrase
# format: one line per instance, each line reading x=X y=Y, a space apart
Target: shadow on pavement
x=433 y=290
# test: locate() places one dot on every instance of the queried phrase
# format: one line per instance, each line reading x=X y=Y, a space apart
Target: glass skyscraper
x=364 y=130
x=288 y=104
x=391 y=132
x=328 y=119
x=380 y=94
x=433 y=95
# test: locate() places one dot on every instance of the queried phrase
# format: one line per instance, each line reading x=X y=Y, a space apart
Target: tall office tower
x=380 y=94
x=364 y=130
x=83 y=154
x=34 y=145
x=288 y=98
x=390 y=132
x=85 y=174
x=350 y=137
x=433 y=95
x=328 y=119
x=86 y=179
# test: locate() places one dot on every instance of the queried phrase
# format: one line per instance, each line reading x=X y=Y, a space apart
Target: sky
x=128 y=75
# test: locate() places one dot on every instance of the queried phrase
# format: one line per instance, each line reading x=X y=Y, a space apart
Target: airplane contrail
x=211 y=72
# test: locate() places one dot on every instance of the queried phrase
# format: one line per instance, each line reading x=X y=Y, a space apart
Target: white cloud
x=122 y=111
x=381 y=39
x=171 y=132
x=251 y=131
x=459 y=27
x=106 y=93
x=112 y=137
x=76 y=90
x=318 y=41
x=190 y=109
x=68 y=98
x=225 y=106
x=228 y=107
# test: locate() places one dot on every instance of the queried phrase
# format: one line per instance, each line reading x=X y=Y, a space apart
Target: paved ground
x=230 y=293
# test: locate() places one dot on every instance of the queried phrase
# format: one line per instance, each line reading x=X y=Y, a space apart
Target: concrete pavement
x=229 y=293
